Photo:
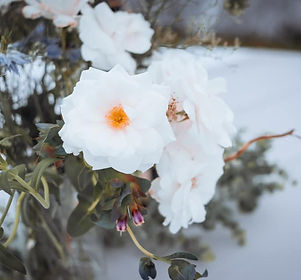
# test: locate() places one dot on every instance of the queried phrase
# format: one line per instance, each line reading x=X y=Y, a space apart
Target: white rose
x=109 y=38
x=63 y=13
x=187 y=178
x=116 y=120
x=196 y=94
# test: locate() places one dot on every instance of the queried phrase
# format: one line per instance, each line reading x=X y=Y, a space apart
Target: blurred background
x=270 y=23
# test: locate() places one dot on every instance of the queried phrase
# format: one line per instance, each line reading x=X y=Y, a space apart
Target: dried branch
x=247 y=145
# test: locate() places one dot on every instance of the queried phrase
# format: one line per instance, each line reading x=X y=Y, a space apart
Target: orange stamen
x=117 y=118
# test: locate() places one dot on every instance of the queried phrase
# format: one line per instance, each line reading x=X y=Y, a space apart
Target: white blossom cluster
x=170 y=116
x=202 y=123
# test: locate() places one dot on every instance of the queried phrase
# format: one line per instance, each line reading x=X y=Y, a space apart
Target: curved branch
x=138 y=245
x=247 y=145
x=43 y=201
x=17 y=220
x=142 y=249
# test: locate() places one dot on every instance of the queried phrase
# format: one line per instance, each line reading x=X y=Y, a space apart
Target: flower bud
x=137 y=217
x=121 y=224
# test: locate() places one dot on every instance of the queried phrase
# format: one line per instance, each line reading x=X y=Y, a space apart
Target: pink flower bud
x=121 y=224
x=137 y=217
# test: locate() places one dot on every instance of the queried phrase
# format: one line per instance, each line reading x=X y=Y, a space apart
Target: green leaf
x=111 y=177
x=7 y=182
x=108 y=205
x=39 y=170
x=175 y=273
x=10 y=260
x=181 y=255
x=147 y=269
x=104 y=221
x=78 y=173
x=19 y=170
x=98 y=191
x=199 y=275
x=126 y=191
x=53 y=176
x=27 y=213
x=79 y=221
x=49 y=136
x=181 y=270
x=55 y=191
x=4 y=182
x=116 y=183
x=3 y=163
x=144 y=184
x=16 y=185
x=6 y=142
x=189 y=272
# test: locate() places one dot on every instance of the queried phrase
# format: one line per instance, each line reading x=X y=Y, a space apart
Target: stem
x=94 y=204
x=142 y=249
x=94 y=179
x=17 y=220
x=7 y=208
x=53 y=239
x=46 y=192
x=44 y=202
x=138 y=245
x=246 y=145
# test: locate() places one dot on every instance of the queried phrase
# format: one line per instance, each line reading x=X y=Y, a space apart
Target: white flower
x=196 y=94
x=63 y=13
x=188 y=175
x=117 y=120
x=109 y=37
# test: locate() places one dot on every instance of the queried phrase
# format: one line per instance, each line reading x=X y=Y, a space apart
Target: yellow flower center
x=117 y=118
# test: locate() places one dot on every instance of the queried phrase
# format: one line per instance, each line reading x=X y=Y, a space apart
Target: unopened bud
x=121 y=224
x=137 y=217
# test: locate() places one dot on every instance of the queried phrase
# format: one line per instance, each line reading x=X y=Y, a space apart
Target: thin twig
x=139 y=246
x=17 y=220
x=45 y=202
x=94 y=204
x=143 y=250
x=246 y=145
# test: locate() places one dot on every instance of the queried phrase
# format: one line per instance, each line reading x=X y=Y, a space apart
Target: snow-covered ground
x=265 y=94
